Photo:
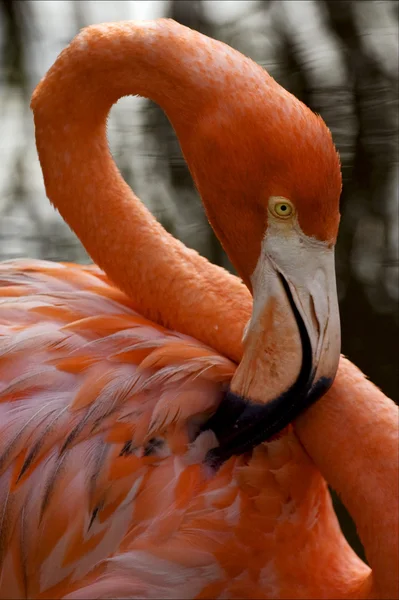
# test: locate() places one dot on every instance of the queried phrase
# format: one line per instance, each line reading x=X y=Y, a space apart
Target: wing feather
x=97 y=411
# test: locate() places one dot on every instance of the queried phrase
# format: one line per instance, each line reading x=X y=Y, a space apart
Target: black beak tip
x=240 y=424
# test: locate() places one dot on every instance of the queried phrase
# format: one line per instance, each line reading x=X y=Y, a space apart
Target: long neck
x=167 y=282
x=352 y=434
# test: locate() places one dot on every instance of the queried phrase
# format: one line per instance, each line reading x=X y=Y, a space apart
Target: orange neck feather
x=167 y=282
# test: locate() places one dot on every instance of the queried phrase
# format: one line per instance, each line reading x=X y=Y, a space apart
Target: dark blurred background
x=339 y=56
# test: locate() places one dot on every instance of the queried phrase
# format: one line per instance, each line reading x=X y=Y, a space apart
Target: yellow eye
x=282 y=209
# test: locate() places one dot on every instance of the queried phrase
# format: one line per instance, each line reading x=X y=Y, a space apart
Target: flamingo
x=146 y=403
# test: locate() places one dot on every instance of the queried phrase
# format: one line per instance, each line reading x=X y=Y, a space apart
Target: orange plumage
x=106 y=489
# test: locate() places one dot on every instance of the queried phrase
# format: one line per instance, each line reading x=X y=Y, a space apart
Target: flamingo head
x=270 y=179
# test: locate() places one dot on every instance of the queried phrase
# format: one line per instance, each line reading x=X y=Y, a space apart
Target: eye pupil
x=283 y=207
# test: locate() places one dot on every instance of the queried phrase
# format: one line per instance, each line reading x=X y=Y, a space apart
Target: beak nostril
x=313 y=314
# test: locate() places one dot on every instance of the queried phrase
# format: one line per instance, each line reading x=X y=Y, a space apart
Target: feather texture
x=103 y=491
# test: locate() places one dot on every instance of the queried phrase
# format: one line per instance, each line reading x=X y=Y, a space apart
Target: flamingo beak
x=291 y=345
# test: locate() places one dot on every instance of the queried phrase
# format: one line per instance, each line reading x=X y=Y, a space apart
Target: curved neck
x=352 y=434
x=166 y=281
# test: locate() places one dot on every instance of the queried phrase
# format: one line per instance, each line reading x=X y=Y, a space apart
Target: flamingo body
x=101 y=493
